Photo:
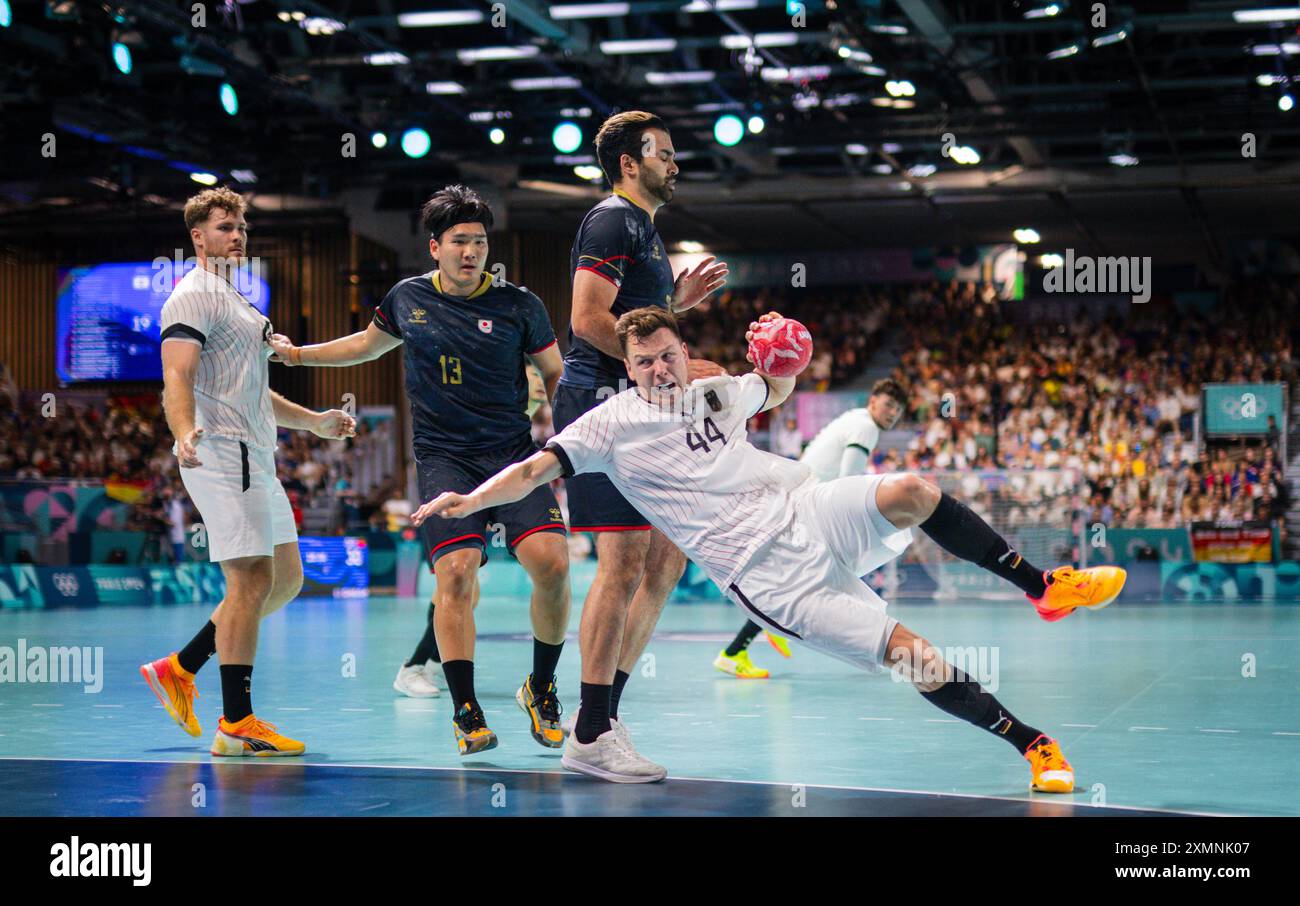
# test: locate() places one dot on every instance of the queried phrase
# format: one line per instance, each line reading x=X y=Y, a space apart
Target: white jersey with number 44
x=693 y=475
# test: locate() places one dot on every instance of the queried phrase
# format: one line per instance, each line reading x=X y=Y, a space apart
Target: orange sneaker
x=251 y=736
x=1052 y=773
x=174 y=687
x=1068 y=588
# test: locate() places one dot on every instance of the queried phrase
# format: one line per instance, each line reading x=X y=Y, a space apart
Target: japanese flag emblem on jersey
x=485 y=326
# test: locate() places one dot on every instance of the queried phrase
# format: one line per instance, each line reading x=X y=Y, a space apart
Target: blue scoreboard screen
x=107 y=322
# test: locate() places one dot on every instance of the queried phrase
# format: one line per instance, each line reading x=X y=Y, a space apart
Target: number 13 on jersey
x=449 y=362
x=697 y=441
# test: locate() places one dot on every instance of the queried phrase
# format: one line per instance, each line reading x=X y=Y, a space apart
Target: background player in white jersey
x=787 y=549
x=215 y=393
x=840 y=449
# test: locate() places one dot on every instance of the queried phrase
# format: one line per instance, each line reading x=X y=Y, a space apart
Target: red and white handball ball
x=781 y=347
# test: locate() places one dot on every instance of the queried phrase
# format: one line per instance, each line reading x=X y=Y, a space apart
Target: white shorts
x=807 y=582
x=240 y=500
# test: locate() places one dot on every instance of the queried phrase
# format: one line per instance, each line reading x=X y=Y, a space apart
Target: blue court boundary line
x=271 y=763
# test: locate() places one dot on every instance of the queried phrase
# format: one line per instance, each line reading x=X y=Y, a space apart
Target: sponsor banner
x=1220 y=542
x=1123 y=547
x=1220 y=582
x=1243 y=408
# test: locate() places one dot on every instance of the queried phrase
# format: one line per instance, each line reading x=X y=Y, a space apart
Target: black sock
x=743 y=638
x=957 y=529
x=963 y=697
x=593 y=715
x=460 y=682
x=616 y=692
x=545 y=657
x=427 y=650
x=201 y=647
x=236 y=691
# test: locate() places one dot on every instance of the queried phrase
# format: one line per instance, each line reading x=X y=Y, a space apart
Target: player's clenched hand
x=187 y=448
x=335 y=425
x=448 y=505
x=753 y=326
x=282 y=346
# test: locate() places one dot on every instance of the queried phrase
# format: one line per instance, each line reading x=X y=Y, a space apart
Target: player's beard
x=656 y=186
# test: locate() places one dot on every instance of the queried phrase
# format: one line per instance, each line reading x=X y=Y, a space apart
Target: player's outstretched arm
x=507 y=486
x=334 y=424
x=362 y=346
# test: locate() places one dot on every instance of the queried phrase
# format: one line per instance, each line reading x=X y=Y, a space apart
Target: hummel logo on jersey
x=417 y=316
x=485 y=326
x=102 y=860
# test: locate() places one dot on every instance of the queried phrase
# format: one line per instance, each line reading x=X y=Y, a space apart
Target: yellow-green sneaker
x=739 y=665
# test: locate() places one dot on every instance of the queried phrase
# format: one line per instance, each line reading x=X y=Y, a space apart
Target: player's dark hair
x=622 y=134
x=452 y=205
x=643 y=322
x=891 y=388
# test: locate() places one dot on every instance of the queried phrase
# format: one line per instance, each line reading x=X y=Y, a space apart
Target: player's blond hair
x=643 y=322
x=199 y=208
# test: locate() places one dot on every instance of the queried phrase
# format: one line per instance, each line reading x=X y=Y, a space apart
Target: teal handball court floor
x=1183 y=708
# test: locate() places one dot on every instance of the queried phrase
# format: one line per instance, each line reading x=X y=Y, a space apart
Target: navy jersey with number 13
x=464 y=359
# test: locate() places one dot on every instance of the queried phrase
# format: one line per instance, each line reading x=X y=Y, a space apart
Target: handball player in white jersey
x=224 y=415
x=841 y=449
x=785 y=548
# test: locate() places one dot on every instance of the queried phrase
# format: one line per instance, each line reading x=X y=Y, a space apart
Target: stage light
x=415 y=142
x=1026 y=236
x=379 y=139
x=728 y=130
x=229 y=98
x=756 y=124
x=6 y=14
x=122 y=57
x=566 y=137
x=204 y=179
x=1285 y=103
x=497 y=135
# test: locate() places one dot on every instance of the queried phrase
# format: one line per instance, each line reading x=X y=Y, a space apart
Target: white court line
x=676 y=714
x=270 y=764
x=356 y=709
x=293 y=709
x=108 y=706
x=875 y=718
x=1131 y=729
x=1204 y=730
x=1088 y=726
x=1285 y=733
x=807 y=717
x=744 y=715
x=34 y=705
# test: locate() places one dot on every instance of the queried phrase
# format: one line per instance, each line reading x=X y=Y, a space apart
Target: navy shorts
x=595 y=505
x=502 y=526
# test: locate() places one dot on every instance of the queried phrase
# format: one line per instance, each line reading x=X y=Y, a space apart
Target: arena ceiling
x=1093 y=122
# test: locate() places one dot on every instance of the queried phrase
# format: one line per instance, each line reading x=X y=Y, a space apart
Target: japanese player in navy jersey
x=466 y=339
x=619 y=263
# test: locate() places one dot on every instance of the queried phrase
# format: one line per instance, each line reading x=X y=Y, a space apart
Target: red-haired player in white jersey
x=785 y=548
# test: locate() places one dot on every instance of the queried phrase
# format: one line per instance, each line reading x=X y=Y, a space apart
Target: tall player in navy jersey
x=619 y=263
x=466 y=338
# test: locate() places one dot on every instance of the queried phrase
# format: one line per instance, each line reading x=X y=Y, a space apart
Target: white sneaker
x=619 y=727
x=611 y=757
x=412 y=683
x=433 y=672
